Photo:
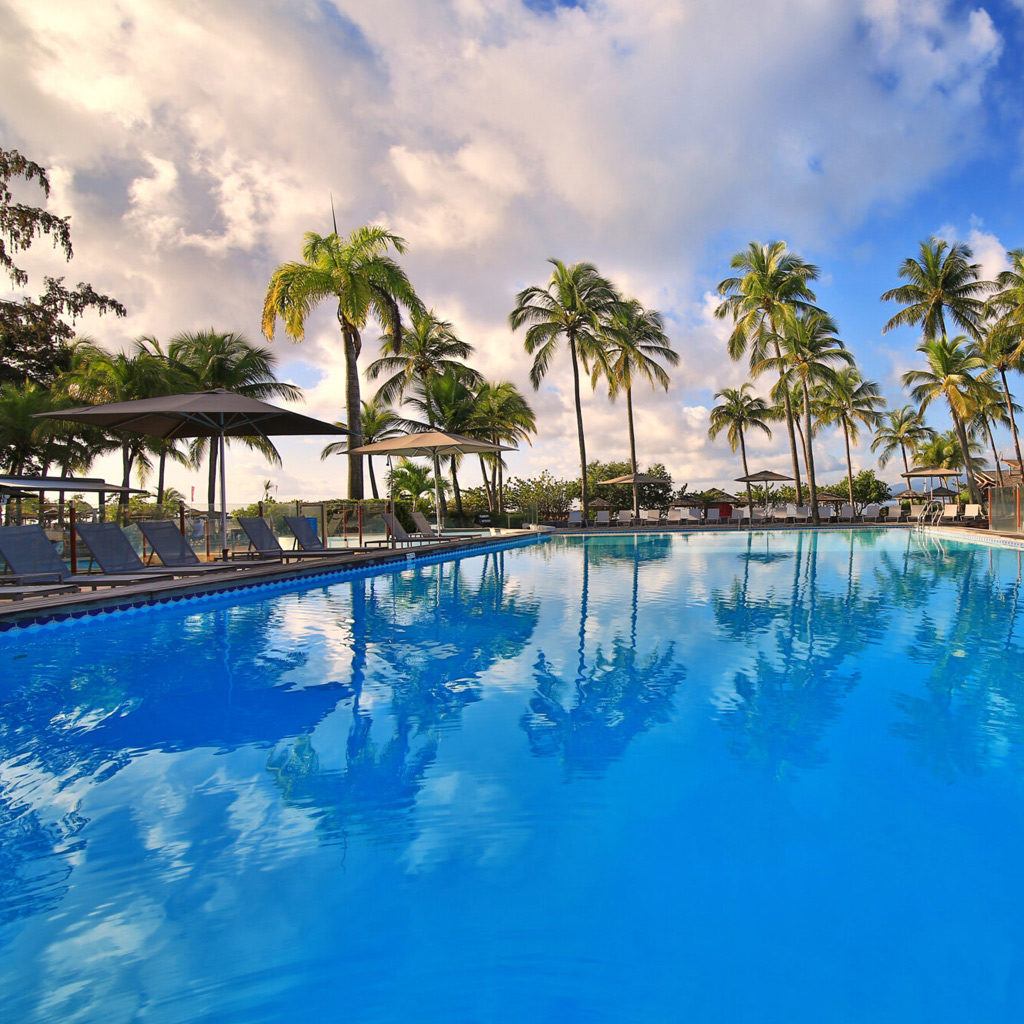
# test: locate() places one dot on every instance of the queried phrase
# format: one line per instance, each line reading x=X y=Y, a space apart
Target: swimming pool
x=719 y=777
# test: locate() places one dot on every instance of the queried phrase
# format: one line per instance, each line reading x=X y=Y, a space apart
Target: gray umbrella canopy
x=765 y=476
x=217 y=413
x=431 y=444
x=937 y=471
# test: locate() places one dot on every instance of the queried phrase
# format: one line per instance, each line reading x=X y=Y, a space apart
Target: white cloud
x=194 y=146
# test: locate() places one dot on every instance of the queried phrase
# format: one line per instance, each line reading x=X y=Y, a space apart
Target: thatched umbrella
x=764 y=476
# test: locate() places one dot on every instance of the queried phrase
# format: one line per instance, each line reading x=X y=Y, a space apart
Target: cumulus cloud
x=194 y=145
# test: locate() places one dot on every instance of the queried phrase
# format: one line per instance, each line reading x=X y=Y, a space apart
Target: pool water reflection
x=770 y=776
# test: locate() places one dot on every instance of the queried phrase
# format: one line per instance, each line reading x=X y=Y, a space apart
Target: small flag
x=193 y=493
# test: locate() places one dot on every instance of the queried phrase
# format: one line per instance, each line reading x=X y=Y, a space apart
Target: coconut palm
x=957 y=377
x=809 y=349
x=379 y=423
x=359 y=275
x=226 y=359
x=945 y=451
x=1006 y=303
x=413 y=481
x=502 y=416
x=772 y=285
x=427 y=349
x=942 y=284
x=740 y=412
x=901 y=430
x=850 y=401
x=576 y=306
x=636 y=346
x=1002 y=349
x=994 y=407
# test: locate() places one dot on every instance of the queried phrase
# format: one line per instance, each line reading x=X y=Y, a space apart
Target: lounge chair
x=675 y=515
x=916 y=512
x=576 y=517
x=847 y=514
x=31 y=556
x=950 y=514
x=16 y=592
x=424 y=528
x=309 y=540
x=604 y=517
x=695 y=516
x=264 y=544
x=114 y=554
x=624 y=517
x=871 y=513
x=174 y=551
x=973 y=513
x=712 y=515
x=651 y=517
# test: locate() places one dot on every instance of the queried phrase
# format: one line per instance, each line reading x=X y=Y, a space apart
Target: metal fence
x=1004 y=509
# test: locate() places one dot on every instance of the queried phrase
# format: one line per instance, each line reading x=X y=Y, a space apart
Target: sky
x=193 y=144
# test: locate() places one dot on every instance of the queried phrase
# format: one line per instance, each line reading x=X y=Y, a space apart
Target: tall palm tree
x=956 y=376
x=740 y=412
x=850 y=401
x=809 y=349
x=1002 y=349
x=945 y=451
x=502 y=416
x=379 y=423
x=576 y=306
x=359 y=275
x=636 y=346
x=772 y=284
x=993 y=406
x=226 y=359
x=1006 y=302
x=427 y=349
x=902 y=429
x=943 y=283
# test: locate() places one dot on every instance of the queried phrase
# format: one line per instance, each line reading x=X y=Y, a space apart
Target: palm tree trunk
x=373 y=479
x=995 y=454
x=160 y=478
x=211 y=489
x=961 y=434
x=500 y=485
x=849 y=464
x=455 y=489
x=789 y=423
x=487 y=484
x=632 y=449
x=746 y=472
x=579 y=423
x=1013 y=422
x=353 y=409
x=809 y=458
x=906 y=465
x=126 y=463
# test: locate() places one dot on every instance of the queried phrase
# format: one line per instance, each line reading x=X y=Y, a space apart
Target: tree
x=992 y=407
x=635 y=342
x=900 y=430
x=943 y=283
x=850 y=401
x=360 y=276
x=1006 y=303
x=654 y=495
x=225 y=359
x=738 y=413
x=501 y=415
x=1002 y=347
x=772 y=286
x=808 y=350
x=576 y=306
x=413 y=481
x=956 y=376
x=944 y=451
x=548 y=497
x=379 y=423
x=34 y=333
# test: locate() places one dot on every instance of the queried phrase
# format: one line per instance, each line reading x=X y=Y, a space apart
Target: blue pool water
x=729 y=777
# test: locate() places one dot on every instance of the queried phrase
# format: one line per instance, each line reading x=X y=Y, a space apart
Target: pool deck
x=39 y=609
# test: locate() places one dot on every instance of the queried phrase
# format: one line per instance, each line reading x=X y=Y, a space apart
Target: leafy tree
x=850 y=401
x=956 y=376
x=551 y=498
x=809 y=348
x=901 y=430
x=867 y=490
x=576 y=306
x=772 y=286
x=943 y=283
x=739 y=412
x=413 y=481
x=501 y=415
x=359 y=275
x=657 y=495
x=379 y=423
x=34 y=333
x=636 y=347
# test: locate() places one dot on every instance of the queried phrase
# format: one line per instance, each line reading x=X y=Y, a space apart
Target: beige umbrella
x=634 y=479
x=764 y=476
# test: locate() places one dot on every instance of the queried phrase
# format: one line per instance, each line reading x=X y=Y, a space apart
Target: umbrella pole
x=437 y=493
x=391 y=496
x=223 y=504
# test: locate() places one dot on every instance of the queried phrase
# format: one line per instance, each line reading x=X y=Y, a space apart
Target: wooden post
x=207 y=531
x=359 y=509
x=74 y=539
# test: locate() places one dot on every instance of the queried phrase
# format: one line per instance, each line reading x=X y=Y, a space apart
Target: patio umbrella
x=600 y=503
x=218 y=413
x=764 y=476
x=634 y=479
x=430 y=444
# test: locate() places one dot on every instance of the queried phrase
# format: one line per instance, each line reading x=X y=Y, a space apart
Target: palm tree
x=225 y=359
x=427 y=349
x=358 y=274
x=809 y=348
x=502 y=416
x=1007 y=301
x=945 y=451
x=956 y=376
x=740 y=411
x=636 y=341
x=415 y=481
x=850 y=401
x=1002 y=348
x=379 y=423
x=772 y=285
x=576 y=305
x=901 y=429
x=942 y=283
x=993 y=407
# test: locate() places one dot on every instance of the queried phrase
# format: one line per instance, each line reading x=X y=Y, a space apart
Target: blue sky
x=194 y=146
